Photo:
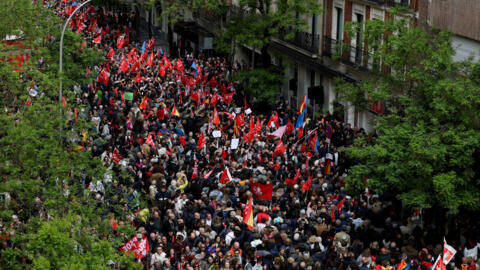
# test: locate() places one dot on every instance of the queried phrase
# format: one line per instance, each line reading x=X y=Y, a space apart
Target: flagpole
x=60 y=64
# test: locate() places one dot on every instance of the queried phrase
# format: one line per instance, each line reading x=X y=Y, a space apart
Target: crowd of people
x=168 y=129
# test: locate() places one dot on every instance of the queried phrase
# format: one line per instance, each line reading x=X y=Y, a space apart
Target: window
x=337 y=32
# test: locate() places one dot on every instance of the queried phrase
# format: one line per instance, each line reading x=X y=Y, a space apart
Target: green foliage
x=428 y=141
x=62 y=226
x=263 y=84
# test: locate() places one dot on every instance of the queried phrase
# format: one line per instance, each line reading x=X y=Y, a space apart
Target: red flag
x=113 y=222
x=340 y=204
x=224 y=153
x=439 y=265
x=297 y=175
x=142 y=248
x=327 y=167
x=308 y=184
x=116 y=156
x=182 y=140
x=213 y=82
x=104 y=77
x=240 y=119
x=149 y=141
x=195 y=171
x=151 y=43
x=228 y=98
x=262 y=191
x=258 y=126
x=175 y=111
x=143 y=105
x=122 y=42
x=300 y=132
x=313 y=141
x=290 y=128
x=138 y=78
x=208 y=174
x=201 y=140
x=214 y=99
x=97 y=40
x=246 y=105
x=333 y=214
x=130 y=245
x=226 y=177
x=251 y=124
x=280 y=149
x=150 y=60
x=277 y=166
x=195 y=97
x=75 y=113
x=29 y=102
x=161 y=70
x=123 y=65
x=179 y=65
x=448 y=252
x=111 y=53
x=216 y=119
x=248 y=214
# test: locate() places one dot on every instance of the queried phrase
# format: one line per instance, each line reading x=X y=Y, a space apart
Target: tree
x=427 y=147
x=261 y=83
x=43 y=166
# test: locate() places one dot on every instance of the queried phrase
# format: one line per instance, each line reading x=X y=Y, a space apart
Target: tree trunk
x=266 y=58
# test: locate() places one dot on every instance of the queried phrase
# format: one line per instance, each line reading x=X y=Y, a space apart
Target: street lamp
x=60 y=68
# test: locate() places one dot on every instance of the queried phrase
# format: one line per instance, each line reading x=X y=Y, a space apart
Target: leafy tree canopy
x=428 y=144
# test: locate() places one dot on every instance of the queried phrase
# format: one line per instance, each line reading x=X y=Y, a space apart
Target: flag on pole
x=262 y=191
x=308 y=184
x=277 y=133
x=403 y=266
x=208 y=174
x=150 y=142
x=248 y=214
x=113 y=222
x=216 y=119
x=327 y=168
x=439 y=265
x=279 y=149
x=111 y=53
x=302 y=111
x=448 y=252
x=226 y=177
x=175 y=111
x=201 y=141
x=195 y=171
x=340 y=204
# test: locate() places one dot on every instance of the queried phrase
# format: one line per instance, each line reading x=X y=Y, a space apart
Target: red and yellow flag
x=248 y=214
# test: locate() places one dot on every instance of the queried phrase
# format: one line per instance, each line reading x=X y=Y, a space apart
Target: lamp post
x=60 y=67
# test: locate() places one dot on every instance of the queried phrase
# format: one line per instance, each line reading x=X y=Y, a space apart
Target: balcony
x=391 y=3
x=303 y=40
x=350 y=55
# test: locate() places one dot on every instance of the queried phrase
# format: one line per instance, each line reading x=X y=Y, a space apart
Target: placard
x=217 y=134
x=234 y=144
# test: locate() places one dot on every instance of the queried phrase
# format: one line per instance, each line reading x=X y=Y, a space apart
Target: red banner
x=262 y=191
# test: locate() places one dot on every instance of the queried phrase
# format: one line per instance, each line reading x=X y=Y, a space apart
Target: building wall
x=461 y=17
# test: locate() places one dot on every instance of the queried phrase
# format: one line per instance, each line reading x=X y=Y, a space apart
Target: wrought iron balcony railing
x=304 y=40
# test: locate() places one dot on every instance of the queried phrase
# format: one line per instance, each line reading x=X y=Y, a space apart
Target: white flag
x=470 y=252
x=448 y=252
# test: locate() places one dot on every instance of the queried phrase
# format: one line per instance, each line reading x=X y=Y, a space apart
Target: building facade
x=308 y=56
